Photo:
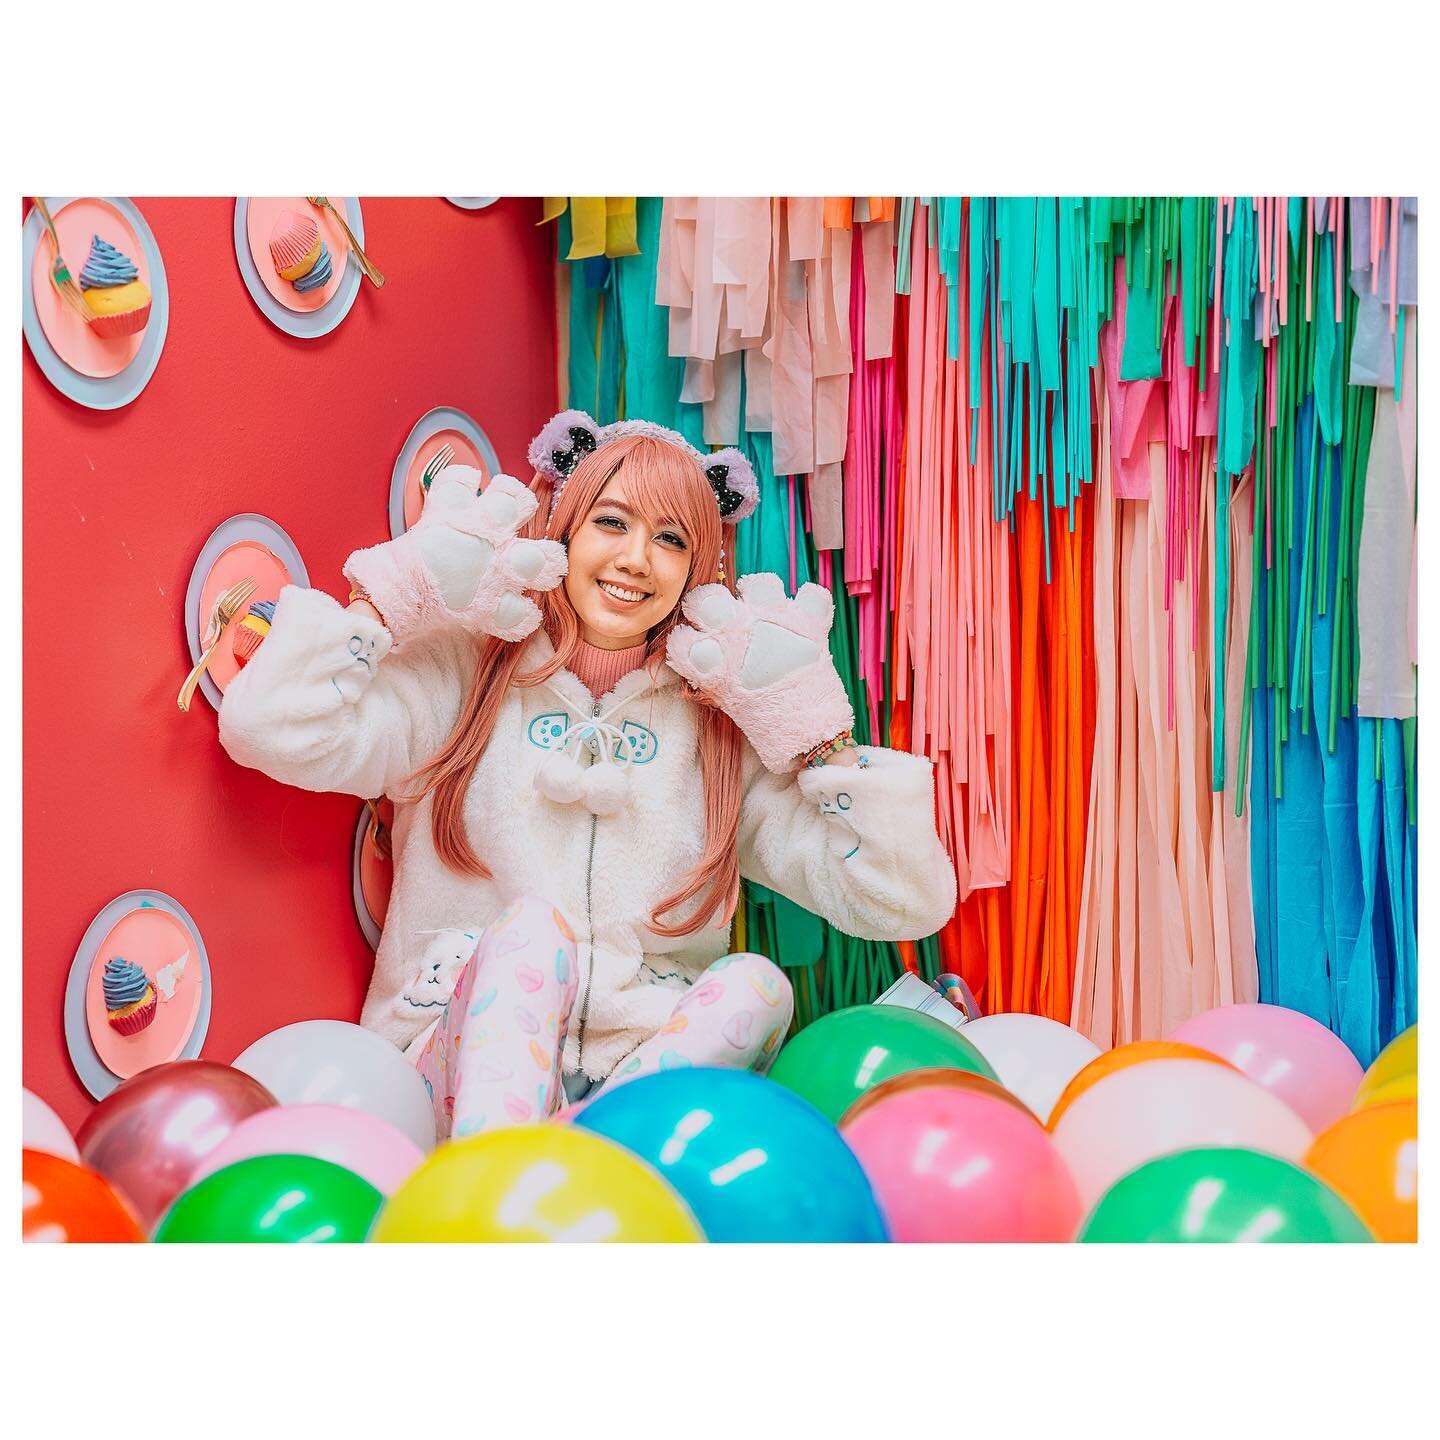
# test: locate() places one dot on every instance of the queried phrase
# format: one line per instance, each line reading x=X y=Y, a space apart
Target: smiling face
x=627 y=569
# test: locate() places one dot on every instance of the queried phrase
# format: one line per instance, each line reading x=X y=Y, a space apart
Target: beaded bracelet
x=822 y=752
x=357 y=593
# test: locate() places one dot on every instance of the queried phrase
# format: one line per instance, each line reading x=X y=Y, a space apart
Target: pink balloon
x=1310 y=1068
x=949 y=1164
x=371 y=1147
x=1160 y=1106
x=150 y=1131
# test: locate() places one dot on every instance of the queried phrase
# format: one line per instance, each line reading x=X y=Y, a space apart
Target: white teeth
x=628 y=595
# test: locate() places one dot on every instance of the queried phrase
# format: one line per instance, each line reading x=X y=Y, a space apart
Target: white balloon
x=42 y=1129
x=1035 y=1058
x=332 y=1062
x=1162 y=1106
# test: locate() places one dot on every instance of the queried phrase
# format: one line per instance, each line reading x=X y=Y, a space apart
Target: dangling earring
x=720 y=576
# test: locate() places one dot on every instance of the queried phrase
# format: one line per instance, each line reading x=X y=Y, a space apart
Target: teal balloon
x=274 y=1199
x=836 y=1059
x=753 y=1161
x=1219 y=1195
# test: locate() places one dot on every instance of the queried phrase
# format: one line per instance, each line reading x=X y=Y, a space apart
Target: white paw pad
x=500 y=509
x=526 y=559
x=706 y=655
x=511 y=610
x=457 y=563
x=715 y=609
x=814 y=601
x=774 y=652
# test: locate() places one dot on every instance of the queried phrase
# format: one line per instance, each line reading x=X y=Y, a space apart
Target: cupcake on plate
x=130 y=998
x=298 y=253
x=251 y=631
x=118 y=298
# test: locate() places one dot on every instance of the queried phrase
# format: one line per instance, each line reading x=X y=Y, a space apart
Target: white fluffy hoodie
x=325 y=706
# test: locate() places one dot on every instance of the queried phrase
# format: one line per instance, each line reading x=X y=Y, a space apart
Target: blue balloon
x=751 y=1159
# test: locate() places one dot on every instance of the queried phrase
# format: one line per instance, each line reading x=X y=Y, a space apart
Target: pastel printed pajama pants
x=494 y=1059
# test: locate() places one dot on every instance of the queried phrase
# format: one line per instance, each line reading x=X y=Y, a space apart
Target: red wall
x=120 y=789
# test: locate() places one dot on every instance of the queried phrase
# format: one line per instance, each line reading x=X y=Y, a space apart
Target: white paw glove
x=765 y=660
x=460 y=564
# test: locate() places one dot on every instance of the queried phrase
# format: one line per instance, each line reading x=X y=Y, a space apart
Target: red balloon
x=66 y=1202
x=150 y=1132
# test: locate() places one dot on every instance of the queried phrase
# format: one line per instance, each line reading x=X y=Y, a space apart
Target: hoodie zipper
x=589 y=930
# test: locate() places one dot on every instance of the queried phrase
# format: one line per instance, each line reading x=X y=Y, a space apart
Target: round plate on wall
x=371 y=872
x=242 y=545
x=99 y=374
x=318 y=315
x=443 y=425
x=154 y=931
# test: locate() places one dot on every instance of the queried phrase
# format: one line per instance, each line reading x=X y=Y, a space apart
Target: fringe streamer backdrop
x=1116 y=497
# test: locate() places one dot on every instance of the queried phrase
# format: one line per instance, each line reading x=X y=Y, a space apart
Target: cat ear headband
x=572 y=435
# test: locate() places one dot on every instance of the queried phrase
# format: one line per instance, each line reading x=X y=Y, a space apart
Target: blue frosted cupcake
x=130 y=998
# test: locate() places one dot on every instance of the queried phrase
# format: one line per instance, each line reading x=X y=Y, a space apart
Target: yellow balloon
x=1402 y=1087
x=1394 y=1075
x=536 y=1183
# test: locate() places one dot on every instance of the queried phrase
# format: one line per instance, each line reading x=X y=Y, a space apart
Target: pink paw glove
x=460 y=564
x=765 y=660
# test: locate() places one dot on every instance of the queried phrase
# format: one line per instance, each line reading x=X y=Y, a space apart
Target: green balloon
x=1218 y=1195
x=835 y=1060
x=279 y=1199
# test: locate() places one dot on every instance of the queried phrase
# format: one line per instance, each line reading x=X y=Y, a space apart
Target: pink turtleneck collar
x=602 y=670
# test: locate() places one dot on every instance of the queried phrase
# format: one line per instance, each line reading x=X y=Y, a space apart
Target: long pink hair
x=660 y=479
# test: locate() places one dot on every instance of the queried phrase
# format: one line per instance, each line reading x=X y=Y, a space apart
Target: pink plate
x=153 y=938
x=260 y=216
x=465 y=454
x=376 y=872
x=246 y=557
x=69 y=336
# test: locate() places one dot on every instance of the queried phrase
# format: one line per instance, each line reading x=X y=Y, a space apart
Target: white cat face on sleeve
x=440 y=966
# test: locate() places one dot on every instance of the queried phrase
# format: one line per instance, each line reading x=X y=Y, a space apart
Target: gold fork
x=436 y=463
x=226 y=608
x=370 y=272
x=60 y=277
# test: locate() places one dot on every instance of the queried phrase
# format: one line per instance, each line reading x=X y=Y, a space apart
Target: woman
x=579 y=783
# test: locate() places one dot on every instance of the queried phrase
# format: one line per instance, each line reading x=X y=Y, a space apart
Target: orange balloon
x=1135 y=1053
x=1368 y=1158
x=66 y=1202
x=933 y=1077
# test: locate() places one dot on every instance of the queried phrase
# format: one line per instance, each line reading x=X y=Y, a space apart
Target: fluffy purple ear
x=736 y=490
x=563 y=444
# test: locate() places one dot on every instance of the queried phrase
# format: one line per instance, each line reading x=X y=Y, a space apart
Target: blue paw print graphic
x=643 y=743
x=546 y=730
